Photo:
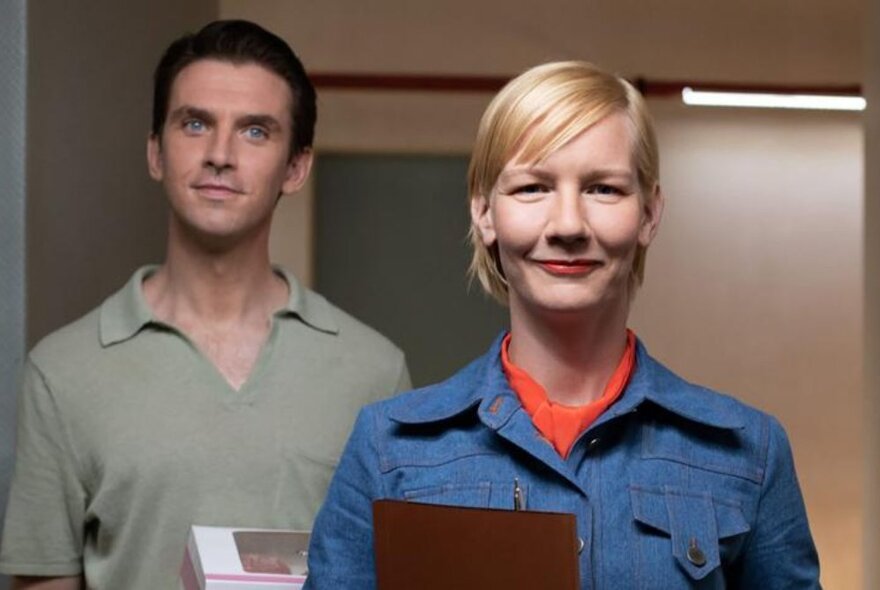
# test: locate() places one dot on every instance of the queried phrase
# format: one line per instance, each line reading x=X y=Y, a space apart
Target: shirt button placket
x=585 y=525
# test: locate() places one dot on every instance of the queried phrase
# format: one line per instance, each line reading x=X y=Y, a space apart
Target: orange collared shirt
x=561 y=425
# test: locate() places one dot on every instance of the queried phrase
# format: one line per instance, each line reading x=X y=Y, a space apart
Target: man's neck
x=232 y=286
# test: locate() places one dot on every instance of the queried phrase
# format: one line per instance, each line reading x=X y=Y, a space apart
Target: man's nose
x=221 y=150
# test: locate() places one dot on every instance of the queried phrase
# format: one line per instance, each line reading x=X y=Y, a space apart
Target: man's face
x=224 y=155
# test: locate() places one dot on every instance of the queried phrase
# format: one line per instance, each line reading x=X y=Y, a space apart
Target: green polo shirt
x=127 y=435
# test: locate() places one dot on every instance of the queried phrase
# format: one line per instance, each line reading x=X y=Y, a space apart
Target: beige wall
x=755 y=283
x=769 y=40
x=92 y=212
x=754 y=287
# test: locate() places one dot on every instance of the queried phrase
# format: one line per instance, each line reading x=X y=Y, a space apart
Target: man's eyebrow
x=267 y=121
x=189 y=111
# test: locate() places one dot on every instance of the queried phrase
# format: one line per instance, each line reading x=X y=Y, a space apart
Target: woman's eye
x=606 y=192
x=604 y=189
x=531 y=189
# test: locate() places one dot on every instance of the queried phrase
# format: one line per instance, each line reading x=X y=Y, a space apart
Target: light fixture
x=772 y=101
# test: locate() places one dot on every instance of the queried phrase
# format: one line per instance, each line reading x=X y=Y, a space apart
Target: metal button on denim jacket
x=675 y=486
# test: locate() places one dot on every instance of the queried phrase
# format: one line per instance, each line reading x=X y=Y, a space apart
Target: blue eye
x=606 y=192
x=604 y=189
x=530 y=189
x=193 y=126
x=256 y=133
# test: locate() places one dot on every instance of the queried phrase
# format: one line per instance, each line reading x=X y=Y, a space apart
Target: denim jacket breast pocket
x=438 y=464
x=477 y=494
x=685 y=530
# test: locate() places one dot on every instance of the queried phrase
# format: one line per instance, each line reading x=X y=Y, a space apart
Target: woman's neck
x=571 y=354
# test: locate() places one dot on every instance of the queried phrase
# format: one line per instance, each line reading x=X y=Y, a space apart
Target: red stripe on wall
x=648 y=87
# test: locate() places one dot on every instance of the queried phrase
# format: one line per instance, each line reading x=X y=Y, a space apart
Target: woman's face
x=567 y=228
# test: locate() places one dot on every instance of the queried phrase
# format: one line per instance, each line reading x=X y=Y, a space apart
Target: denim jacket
x=669 y=468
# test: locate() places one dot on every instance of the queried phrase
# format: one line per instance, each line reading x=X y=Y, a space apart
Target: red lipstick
x=568 y=267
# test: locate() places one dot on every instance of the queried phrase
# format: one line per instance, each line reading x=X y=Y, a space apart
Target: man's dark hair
x=239 y=42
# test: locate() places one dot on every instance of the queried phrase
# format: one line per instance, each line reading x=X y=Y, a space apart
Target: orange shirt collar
x=562 y=425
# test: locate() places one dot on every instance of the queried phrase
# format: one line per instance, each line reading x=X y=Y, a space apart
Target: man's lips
x=213 y=189
x=568 y=267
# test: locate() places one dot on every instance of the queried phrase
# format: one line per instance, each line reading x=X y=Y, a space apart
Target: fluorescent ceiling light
x=772 y=101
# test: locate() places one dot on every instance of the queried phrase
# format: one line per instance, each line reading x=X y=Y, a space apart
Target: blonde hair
x=534 y=115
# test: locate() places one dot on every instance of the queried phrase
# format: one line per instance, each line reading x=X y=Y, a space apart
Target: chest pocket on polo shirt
x=686 y=528
x=482 y=494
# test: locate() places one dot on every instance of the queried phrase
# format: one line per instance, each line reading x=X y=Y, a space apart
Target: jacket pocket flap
x=649 y=508
x=694 y=521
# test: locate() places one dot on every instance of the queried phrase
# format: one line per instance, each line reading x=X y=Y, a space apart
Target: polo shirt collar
x=307 y=305
x=482 y=385
x=125 y=313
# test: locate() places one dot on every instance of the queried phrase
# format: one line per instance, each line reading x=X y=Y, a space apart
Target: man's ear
x=481 y=218
x=154 y=156
x=297 y=171
x=653 y=211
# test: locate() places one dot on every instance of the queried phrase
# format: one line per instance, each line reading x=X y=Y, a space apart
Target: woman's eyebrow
x=611 y=173
x=540 y=172
x=525 y=170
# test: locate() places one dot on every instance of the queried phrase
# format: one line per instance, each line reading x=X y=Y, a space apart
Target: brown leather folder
x=427 y=547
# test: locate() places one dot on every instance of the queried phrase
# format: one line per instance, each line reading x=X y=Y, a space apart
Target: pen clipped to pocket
x=518 y=501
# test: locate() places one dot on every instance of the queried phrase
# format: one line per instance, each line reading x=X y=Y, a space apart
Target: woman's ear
x=481 y=218
x=653 y=211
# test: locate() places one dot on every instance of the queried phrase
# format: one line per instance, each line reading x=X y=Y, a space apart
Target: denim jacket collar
x=483 y=385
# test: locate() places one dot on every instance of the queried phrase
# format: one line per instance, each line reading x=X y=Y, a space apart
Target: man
x=212 y=389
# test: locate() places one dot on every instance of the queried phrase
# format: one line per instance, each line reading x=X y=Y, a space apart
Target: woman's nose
x=568 y=221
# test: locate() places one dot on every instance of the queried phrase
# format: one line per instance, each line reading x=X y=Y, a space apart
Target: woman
x=672 y=485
